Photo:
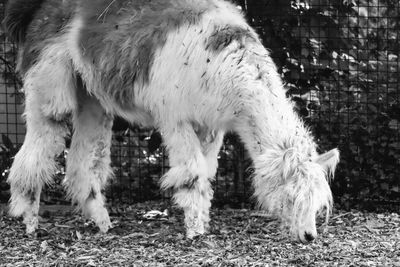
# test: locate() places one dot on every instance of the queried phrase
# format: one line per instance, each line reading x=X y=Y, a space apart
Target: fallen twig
x=62 y=225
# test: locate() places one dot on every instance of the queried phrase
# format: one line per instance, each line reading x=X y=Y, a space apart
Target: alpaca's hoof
x=95 y=210
x=194 y=232
x=32 y=224
x=102 y=220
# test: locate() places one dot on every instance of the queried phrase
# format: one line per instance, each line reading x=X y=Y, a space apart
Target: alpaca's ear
x=329 y=160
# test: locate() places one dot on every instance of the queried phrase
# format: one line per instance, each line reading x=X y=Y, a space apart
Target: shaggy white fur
x=88 y=162
x=48 y=97
x=210 y=75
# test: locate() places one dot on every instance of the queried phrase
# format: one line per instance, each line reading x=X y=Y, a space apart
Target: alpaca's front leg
x=88 y=163
x=188 y=176
x=211 y=142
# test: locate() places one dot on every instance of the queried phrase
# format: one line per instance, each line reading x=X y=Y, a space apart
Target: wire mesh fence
x=340 y=63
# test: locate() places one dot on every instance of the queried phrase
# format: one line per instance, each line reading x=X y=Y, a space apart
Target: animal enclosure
x=340 y=61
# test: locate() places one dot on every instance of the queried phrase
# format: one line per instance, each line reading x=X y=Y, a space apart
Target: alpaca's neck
x=272 y=126
x=264 y=117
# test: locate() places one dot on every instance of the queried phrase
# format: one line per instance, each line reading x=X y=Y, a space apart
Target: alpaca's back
x=109 y=27
x=118 y=40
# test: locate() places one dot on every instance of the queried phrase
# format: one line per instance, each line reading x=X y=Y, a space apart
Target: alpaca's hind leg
x=88 y=162
x=211 y=142
x=35 y=164
x=188 y=176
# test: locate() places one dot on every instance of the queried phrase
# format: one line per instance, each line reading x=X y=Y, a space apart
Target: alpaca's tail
x=18 y=16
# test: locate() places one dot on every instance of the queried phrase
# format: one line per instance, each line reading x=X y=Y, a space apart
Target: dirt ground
x=236 y=238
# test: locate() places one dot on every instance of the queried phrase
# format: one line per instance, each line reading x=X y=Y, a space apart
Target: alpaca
x=194 y=70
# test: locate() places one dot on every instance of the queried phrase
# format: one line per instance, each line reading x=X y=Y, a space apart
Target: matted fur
x=193 y=69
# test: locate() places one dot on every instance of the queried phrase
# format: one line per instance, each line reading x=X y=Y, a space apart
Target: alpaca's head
x=296 y=189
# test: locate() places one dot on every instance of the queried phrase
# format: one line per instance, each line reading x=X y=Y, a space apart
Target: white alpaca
x=193 y=69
